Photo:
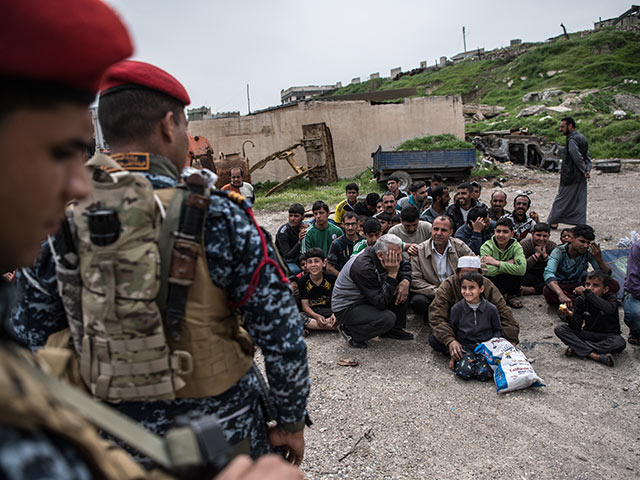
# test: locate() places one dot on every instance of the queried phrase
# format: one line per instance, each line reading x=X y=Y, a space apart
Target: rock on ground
x=422 y=422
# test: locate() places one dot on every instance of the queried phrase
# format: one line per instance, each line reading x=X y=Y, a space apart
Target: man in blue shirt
x=568 y=264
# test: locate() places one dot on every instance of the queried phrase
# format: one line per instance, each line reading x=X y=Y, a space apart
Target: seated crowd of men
x=459 y=266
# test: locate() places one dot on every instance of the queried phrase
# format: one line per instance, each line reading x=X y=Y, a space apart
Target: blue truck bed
x=422 y=164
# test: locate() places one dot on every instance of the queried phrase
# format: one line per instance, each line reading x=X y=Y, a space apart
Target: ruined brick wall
x=357 y=128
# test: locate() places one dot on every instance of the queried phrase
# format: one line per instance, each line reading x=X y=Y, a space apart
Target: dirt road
x=401 y=414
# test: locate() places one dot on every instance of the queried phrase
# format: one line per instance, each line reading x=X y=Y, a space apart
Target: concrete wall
x=357 y=128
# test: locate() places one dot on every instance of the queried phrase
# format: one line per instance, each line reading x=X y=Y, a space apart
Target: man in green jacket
x=505 y=262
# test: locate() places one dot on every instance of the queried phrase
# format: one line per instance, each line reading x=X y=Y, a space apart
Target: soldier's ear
x=168 y=127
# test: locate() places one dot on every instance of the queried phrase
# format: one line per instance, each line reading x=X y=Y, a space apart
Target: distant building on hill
x=464 y=55
x=204 y=113
x=628 y=18
x=294 y=94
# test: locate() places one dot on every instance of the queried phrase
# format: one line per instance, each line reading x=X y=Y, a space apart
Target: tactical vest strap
x=178 y=362
x=160 y=389
x=103 y=161
x=137 y=344
x=172 y=198
x=185 y=252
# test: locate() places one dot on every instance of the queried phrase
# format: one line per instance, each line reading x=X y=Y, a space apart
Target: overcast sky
x=216 y=48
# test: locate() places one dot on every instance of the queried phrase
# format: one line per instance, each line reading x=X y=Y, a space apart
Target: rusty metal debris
x=519 y=147
x=321 y=164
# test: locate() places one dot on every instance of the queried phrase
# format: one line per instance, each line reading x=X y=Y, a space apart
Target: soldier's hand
x=293 y=444
x=269 y=467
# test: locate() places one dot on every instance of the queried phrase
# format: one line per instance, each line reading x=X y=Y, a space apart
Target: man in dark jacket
x=449 y=293
x=536 y=248
x=370 y=296
x=477 y=230
x=459 y=210
x=570 y=205
x=289 y=237
x=593 y=328
x=439 y=204
x=368 y=207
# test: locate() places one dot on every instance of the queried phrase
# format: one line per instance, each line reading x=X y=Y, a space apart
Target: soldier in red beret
x=52 y=58
x=141 y=112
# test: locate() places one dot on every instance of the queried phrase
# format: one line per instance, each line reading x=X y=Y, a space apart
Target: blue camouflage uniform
x=233 y=251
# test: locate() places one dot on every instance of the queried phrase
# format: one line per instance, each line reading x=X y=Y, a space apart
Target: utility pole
x=248 y=100
x=464 y=39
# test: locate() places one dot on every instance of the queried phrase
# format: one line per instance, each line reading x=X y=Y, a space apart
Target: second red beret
x=133 y=73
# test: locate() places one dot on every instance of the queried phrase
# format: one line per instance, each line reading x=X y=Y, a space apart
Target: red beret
x=130 y=73
x=66 y=42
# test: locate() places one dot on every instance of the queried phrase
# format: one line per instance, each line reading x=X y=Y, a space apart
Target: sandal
x=569 y=352
x=606 y=359
x=514 y=301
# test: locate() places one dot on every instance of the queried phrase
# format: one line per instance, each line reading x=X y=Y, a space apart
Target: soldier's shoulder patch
x=131 y=161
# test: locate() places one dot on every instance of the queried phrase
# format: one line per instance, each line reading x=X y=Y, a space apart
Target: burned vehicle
x=519 y=147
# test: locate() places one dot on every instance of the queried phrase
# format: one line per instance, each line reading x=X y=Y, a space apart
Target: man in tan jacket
x=437 y=259
x=449 y=293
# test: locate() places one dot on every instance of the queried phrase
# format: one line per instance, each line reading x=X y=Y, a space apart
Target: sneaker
x=398 y=334
x=350 y=341
x=633 y=340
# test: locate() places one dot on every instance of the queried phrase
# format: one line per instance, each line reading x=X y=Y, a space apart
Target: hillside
x=607 y=62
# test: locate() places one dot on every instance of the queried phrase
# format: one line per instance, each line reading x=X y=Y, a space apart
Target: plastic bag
x=627 y=242
x=493 y=350
x=515 y=372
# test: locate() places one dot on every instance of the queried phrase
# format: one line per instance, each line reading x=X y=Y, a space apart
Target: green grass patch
x=434 y=142
x=302 y=191
x=603 y=59
x=492 y=171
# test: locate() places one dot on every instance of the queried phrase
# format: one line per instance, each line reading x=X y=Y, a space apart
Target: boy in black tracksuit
x=593 y=328
x=474 y=320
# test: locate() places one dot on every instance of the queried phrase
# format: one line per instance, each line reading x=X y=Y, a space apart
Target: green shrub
x=434 y=142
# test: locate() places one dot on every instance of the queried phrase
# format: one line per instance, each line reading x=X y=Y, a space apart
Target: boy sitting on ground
x=474 y=320
x=566 y=235
x=316 y=287
x=593 y=328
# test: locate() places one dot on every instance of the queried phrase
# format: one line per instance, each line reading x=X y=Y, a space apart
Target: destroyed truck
x=519 y=147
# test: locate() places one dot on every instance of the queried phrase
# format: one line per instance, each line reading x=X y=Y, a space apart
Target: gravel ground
x=401 y=413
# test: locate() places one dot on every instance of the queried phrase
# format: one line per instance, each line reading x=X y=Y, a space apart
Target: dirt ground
x=401 y=413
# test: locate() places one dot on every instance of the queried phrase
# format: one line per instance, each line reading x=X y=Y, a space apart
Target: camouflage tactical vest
x=115 y=318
